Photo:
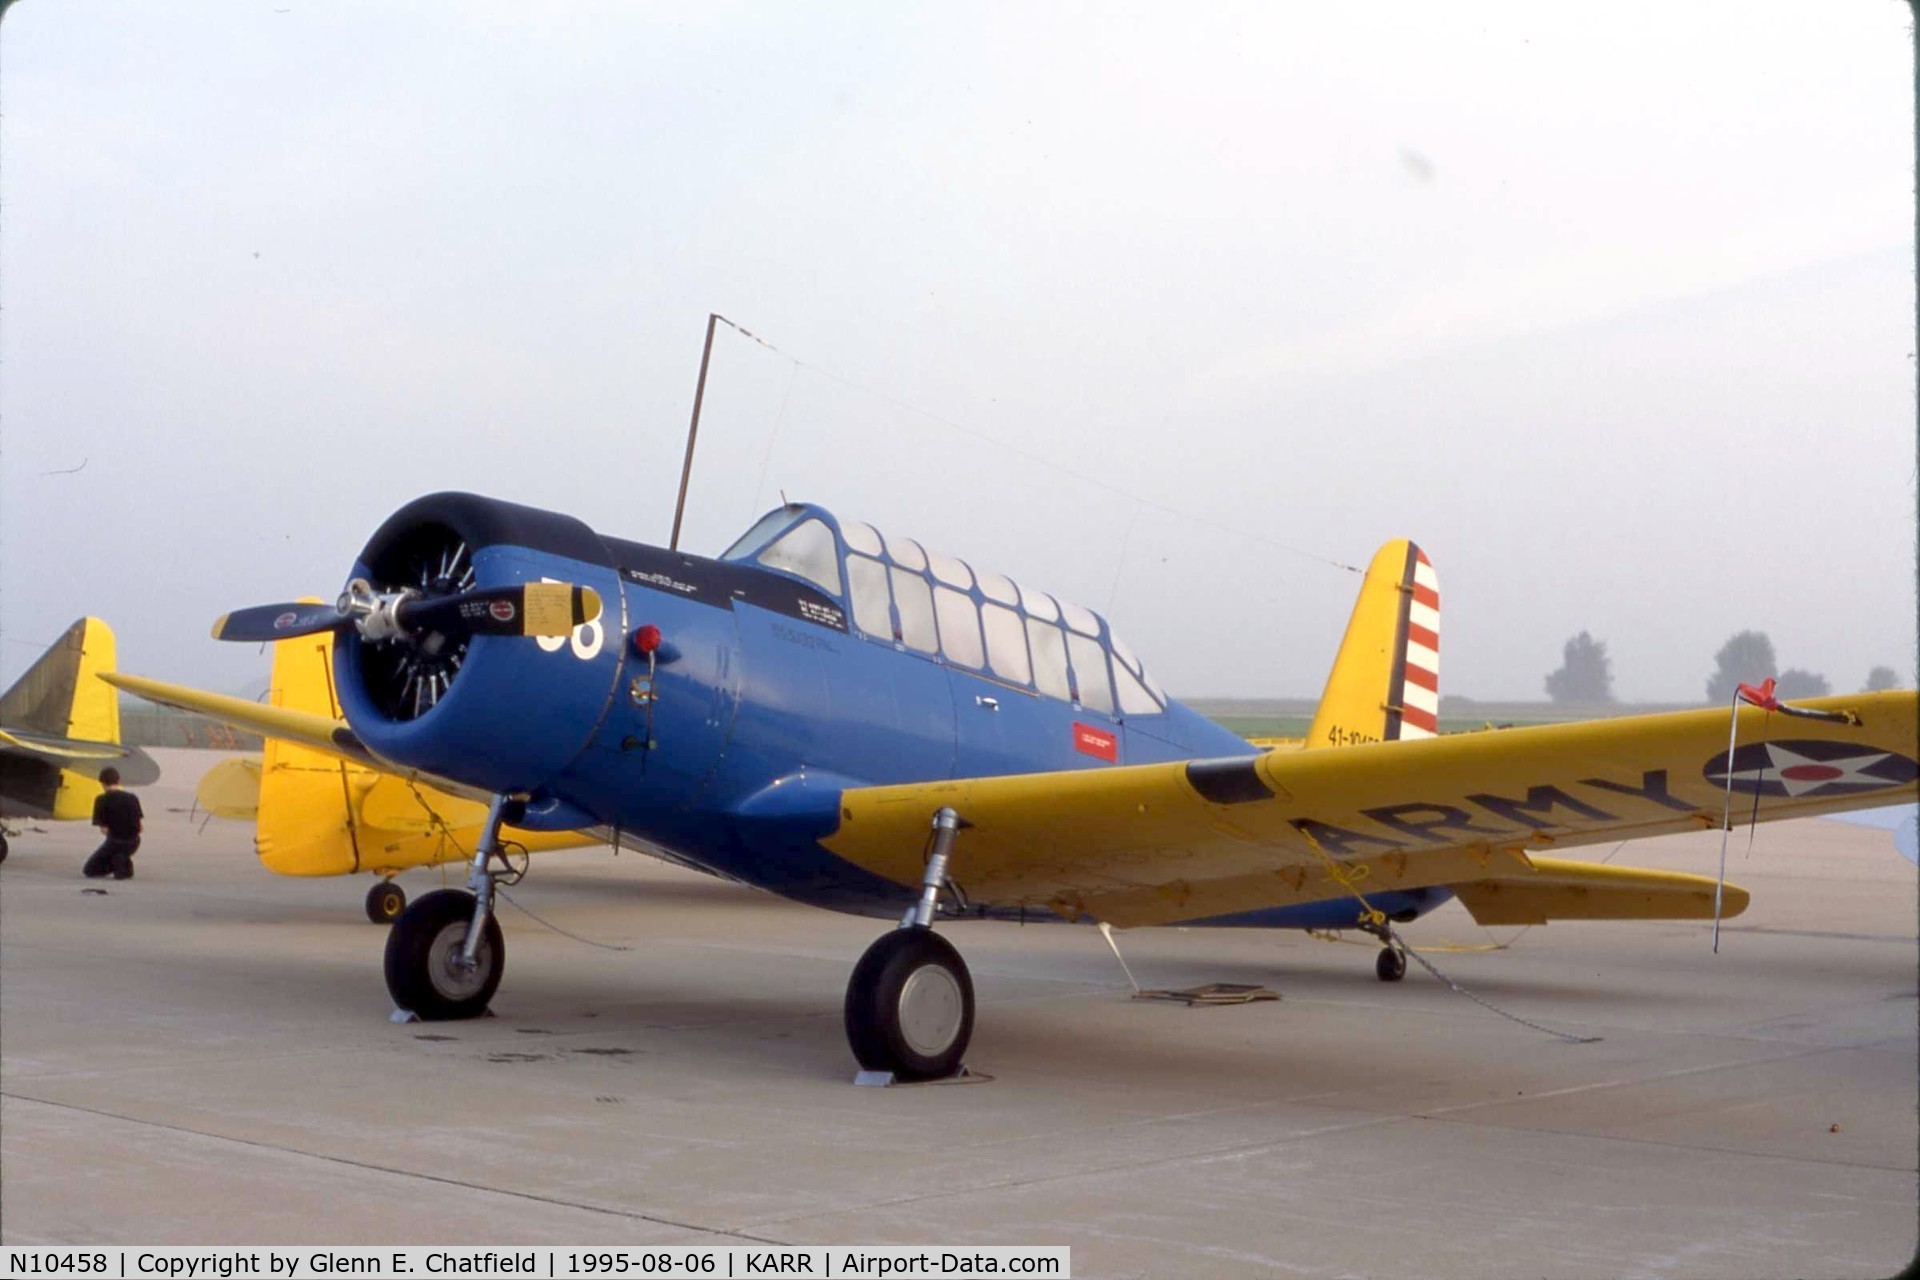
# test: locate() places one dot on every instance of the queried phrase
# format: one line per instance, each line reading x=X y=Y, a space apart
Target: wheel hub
x=931 y=1009
x=453 y=975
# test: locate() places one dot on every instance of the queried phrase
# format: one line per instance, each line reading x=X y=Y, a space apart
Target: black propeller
x=277 y=622
x=524 y=609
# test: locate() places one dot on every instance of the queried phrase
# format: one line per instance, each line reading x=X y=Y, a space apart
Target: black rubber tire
x=1390 y=965
x=910 y=1006
x=3 y=847
x=385 y=902
x=420 y=945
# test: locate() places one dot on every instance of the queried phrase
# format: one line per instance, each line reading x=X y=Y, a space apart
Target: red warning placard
x=1096 y=742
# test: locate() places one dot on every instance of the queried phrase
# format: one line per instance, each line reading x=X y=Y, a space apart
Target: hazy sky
x=1169 y=309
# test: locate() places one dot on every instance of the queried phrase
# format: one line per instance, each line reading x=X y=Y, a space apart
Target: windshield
x=761 y=533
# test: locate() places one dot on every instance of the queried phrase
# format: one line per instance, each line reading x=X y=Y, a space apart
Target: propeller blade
x=525 y=609
x=277 y=622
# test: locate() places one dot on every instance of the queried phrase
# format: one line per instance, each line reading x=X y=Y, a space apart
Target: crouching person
x=117 y=814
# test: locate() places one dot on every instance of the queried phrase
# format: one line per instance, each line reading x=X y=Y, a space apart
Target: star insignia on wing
x=1816 y=768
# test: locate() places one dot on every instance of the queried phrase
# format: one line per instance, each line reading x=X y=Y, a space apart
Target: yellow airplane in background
x=319 y=814
x=59 y=726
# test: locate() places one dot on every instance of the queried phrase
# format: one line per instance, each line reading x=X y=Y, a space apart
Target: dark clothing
x=113 y=857
x=119 y=812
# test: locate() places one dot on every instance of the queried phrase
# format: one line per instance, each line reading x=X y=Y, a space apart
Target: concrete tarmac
x=202 y=1055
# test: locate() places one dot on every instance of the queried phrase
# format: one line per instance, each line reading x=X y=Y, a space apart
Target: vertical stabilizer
x=1385 y=684
x=305 y=824
x=62 y=696
x=59 y=696
x=94 y=715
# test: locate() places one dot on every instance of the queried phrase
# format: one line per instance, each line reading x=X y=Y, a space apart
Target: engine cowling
x=503 y=713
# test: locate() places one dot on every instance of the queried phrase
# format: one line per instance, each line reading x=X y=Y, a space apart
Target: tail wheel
x=910 y=1006
x=1390 y=965
x=385 y=902
x=426 y=972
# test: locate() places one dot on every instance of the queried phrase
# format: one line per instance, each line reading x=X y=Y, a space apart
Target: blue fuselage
x=728 y=746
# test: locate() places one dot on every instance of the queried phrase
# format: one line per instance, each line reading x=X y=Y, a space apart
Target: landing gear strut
x=385 y=902
x=909 y=1008
x=445 y=955
x=1391 y=964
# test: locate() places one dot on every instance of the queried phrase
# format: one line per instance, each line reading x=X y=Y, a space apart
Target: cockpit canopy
x=894 y=589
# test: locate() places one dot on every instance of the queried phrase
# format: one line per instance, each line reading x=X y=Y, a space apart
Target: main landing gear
x=385 y=902
x=1391 y=964
x=445 y=955
x=909 y=1009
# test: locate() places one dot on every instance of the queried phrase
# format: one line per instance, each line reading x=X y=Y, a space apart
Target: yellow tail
x=305 y=814
x=62 y=696
x=317 y=815
x=1385 y=683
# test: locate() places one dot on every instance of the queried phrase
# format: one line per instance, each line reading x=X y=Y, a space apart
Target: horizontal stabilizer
x=231 y=789
x=58 y=750
x=1559 y=889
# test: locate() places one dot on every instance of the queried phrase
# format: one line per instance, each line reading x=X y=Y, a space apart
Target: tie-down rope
x=1763 y=697
x=1375 y=921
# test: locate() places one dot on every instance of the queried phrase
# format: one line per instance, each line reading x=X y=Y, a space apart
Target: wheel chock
x=963 y=1074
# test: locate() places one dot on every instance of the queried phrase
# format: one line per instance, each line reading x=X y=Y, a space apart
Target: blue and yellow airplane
x=59 y=725
x=853 y=721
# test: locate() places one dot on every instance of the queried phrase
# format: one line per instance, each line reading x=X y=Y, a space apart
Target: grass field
x=1290 y=717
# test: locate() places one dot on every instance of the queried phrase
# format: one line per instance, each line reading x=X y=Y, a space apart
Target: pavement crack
x=373 y=1167
x=1123 y=1166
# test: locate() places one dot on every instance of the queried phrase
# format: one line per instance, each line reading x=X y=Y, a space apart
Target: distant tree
x=1795 y=683
x=1747 y=657
x=1585 y=674
x=1881 y=678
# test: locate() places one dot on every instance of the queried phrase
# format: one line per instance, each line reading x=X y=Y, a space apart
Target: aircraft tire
x=421 y=948
x=385 y=902
x=910 y=1006
x=3 y=847
x=1389 y=965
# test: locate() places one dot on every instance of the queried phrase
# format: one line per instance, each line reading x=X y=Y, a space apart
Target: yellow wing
x=1155 y=844
x=328 y=734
